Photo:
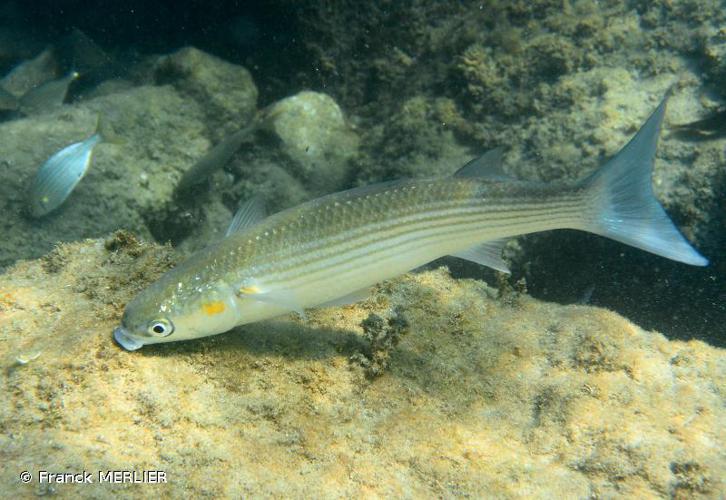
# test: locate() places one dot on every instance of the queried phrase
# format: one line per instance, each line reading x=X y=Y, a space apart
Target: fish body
x=59 y=175
x=711 y=127
x=339 y=245
x=48 y=96
x=214 y=159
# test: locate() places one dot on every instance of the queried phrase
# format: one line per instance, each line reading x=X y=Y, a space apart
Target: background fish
x=216 y=158
x=59 y=175
x=47 y=96
x=335 y=247
x=709 y=128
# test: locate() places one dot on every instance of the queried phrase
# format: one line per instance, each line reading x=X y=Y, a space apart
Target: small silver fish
x=706 y=129
x=330 y=250
x=214 y=159
x=47 y=96
x=59 y=175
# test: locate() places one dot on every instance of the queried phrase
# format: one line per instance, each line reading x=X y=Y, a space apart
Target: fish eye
x=161 y=328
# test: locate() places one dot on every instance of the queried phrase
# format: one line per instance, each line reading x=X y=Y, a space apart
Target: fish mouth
x=122 y=338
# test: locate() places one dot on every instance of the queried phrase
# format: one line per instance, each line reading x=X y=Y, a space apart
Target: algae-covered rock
x=158 y=132
x=31 y=73
x=715 y=51
x=226 y=91
x=162 y=131
x=315 y=136
x=482 y=396
x=416 y=141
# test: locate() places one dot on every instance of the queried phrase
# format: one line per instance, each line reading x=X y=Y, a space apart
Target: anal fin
x=345 y=300
x=487 y=254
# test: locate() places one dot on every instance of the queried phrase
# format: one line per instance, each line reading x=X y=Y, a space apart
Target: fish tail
x=621 y=203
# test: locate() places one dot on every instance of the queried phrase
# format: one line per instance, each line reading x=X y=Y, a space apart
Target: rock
x=225 y=91
x=164 y=129
x=715 y=51
x=483 y=396
x=315 y=137
x=108 y=87
x=29 y=74
x=162 y=133
x=415 y=141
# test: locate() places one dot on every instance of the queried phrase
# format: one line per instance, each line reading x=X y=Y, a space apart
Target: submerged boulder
x=225 y=91
x=158 y=133
x=162 y=131
x=315 y=137
x=31 y=73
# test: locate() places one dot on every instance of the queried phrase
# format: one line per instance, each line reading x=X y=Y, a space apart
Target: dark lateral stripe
x=425 y=227
x=378 y=247
x=360 y=236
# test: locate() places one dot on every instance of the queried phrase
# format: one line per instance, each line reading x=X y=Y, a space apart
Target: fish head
x=145 y=321
x=176 y=308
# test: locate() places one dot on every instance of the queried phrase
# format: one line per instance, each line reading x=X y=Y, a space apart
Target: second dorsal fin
x=487 y=166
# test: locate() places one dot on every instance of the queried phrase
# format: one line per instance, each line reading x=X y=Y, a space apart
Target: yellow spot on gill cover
x=215 y=307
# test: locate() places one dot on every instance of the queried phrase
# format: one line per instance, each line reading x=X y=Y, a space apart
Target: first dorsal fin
x=248 y=214
x=487 y=166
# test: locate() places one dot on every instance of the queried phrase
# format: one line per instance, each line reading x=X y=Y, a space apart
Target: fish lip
x=122 y=338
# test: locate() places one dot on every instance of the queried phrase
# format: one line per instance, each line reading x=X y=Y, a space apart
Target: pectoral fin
x=280 y=298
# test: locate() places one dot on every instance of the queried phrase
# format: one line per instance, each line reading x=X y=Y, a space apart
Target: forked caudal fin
x=621 y=203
